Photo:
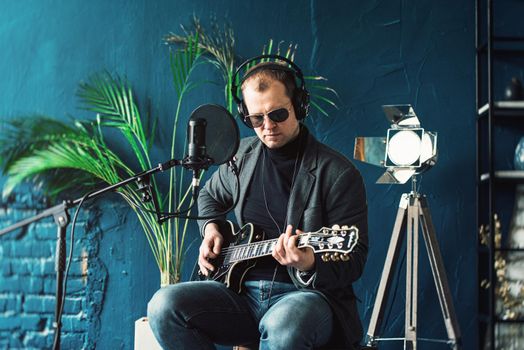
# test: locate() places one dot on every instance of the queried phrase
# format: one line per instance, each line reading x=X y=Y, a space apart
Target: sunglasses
x=257 y=120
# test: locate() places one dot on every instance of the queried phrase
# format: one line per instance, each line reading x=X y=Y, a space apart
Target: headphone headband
x=296 y=69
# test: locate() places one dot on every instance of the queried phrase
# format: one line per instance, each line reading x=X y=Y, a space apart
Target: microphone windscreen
x=222 y=134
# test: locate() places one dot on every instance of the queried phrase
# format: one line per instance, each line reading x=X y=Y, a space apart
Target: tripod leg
x=410 y=326
x=439 y=275
x=387 y=273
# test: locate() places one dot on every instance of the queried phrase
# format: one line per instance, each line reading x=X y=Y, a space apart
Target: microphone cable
x=68 y=266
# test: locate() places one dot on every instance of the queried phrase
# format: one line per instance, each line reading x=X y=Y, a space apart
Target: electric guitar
x=235 y=260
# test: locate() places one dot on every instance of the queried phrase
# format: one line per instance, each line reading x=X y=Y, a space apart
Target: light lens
x=404 y=148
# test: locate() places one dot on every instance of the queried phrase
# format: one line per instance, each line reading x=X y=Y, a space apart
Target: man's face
x=272 y=134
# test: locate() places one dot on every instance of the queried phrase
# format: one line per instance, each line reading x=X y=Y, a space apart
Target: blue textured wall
x=372 y=52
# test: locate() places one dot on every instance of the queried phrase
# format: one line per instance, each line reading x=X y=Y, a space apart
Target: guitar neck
x=254 y=250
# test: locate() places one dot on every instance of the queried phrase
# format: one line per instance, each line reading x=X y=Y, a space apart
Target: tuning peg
x=345 y=227
x=325 y=257
x=335 y=256
x=335 y=227
x=344 y=257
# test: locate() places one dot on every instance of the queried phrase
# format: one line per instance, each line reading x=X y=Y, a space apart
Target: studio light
x=406 y=150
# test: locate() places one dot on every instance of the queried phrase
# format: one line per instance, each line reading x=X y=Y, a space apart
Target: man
x=289 y=183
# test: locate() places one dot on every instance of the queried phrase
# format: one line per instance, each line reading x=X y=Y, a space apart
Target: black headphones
x=300 y=98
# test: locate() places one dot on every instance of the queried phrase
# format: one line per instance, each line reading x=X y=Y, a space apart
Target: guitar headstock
x=336 y=242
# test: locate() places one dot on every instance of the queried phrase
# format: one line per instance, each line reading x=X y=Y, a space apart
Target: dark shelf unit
x=492 y=114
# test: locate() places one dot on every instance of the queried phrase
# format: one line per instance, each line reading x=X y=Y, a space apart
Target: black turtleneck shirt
x=273 y=176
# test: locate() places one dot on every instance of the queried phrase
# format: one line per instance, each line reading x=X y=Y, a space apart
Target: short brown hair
x=271 y=71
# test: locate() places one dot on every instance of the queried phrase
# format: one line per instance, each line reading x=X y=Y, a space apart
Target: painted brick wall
x=28 y=280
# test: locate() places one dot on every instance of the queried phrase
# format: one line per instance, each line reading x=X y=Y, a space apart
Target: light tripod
x=413 y=213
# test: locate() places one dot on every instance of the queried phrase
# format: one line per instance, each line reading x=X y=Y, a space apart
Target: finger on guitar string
x=209 y=249
x=279 y=252
x=292 y=252
x=205 y=265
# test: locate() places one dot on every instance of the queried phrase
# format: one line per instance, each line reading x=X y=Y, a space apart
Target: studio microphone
x=196 y=153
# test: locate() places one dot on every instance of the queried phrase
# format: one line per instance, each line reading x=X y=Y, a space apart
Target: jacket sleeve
x=344 y=204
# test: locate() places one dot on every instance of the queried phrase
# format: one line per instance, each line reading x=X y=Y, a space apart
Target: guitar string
x=252 y=247
x=316 y=234
x=331 y=233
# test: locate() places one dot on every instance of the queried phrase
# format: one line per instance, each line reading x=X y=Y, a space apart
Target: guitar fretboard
x=254 y=250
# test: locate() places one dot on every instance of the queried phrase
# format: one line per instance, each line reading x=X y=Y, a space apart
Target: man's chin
x=274 y=143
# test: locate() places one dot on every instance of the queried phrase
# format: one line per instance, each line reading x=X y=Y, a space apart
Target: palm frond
x=111 y=97
x=21 y=136
x=64 y=182
x=184 y=61
x=79 y=150
x=218 y=45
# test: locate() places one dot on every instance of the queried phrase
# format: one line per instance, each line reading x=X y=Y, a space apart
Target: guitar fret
x=241 y=253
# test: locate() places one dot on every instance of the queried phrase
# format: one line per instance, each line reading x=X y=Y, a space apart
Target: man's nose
x=268 y=123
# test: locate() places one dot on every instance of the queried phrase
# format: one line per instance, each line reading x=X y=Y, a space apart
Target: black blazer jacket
x=328 y=190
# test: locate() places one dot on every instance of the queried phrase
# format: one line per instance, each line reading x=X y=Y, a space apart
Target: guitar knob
x=344 y=257
x=345 y=227
x=335 y=256
x=335 y=227
x=325 y=257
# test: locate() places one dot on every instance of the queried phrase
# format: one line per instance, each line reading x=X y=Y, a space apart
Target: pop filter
x=222 y=136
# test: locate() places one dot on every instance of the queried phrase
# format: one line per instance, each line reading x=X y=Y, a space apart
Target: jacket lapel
x=248 y=163
x=303 y=183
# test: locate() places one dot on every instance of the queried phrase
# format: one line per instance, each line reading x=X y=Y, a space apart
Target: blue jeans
x=197 y=315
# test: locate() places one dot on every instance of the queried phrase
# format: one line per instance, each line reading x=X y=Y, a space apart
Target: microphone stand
x=61 y=217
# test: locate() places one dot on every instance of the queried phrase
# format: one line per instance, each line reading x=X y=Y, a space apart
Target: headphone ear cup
x=243 y=113
x=242 y=109
x=301 y=103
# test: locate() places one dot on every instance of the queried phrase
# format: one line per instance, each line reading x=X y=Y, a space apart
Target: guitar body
x=232 y=273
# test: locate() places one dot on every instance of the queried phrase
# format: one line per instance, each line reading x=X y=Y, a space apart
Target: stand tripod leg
x=61 y=220
x=410 y=326
x=387 y=274
x=439 y=275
